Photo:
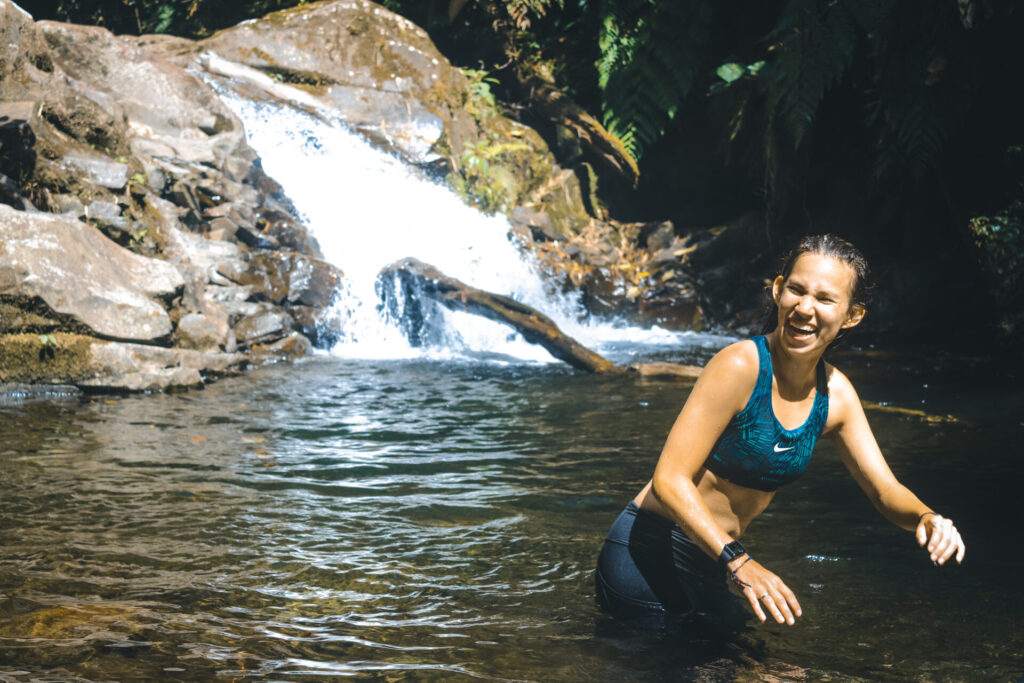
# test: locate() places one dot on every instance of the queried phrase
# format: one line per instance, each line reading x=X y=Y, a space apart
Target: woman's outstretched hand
x=762 y=587
x=941 y=536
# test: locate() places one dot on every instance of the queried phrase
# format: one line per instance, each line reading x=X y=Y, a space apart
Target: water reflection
x=413 y=519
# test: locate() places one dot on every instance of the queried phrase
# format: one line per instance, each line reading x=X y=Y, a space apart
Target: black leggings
x=649 y=567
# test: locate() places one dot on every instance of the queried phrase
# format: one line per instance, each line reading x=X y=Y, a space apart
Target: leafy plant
x=651 y=55
x=487 y=185
x=482 y=102
x=47 y=346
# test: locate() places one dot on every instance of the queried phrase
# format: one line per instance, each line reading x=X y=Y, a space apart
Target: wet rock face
x=126 y=185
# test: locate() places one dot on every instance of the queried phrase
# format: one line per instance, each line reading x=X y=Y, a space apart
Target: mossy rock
x=53 y=358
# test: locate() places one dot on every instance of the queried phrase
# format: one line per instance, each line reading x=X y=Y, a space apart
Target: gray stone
x=376 y=70
x=79 y=273
x=266 y=325
x=70 y=205
x=107 y=211
x=18 y=394
x=235 y=299
x=201 y=332
x=99 y=170
x=162 y=102
x=292 y=347
x=135 y=367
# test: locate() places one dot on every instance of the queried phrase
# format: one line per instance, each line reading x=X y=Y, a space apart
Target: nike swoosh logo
x=780 y=450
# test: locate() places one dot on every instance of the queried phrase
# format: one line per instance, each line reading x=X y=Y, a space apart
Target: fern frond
x=814 y=47
x=651 y=53
x=914 y=110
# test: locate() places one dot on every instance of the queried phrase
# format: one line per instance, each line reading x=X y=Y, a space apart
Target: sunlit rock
x=378 y=71
x=163 y=102
x=82 y=275
x=289 y=348
x=135 y=367
x=200 y=332
x=268 y=325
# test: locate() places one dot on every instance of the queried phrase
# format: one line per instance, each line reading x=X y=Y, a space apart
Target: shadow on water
x=436 y=521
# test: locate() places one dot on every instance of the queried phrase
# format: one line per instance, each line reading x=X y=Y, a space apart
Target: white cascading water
x=368 y=210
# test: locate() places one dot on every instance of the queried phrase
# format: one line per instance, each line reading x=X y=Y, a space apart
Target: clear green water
x=428 y=521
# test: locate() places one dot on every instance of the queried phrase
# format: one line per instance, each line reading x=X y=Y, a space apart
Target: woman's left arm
x=851 y=434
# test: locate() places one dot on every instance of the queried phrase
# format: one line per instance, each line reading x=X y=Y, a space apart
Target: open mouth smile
x=801 y=332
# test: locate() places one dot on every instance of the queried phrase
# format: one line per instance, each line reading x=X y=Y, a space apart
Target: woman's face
x=815 y=302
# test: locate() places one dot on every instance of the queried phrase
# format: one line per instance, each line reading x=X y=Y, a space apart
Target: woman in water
x=748 y=427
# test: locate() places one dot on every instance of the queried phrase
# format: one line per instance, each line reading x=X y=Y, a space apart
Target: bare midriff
x=733 y=507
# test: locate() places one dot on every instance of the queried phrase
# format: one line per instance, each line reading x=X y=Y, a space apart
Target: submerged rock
x=16 y=394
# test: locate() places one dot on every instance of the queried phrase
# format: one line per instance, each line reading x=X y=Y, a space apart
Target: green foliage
x=999 y=240
x=521 y=10
x=813 y=47
x=47 y=347
x=651 y=55
x=481 y=96
x=484 y=178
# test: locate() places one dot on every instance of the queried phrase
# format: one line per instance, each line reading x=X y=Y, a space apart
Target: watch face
x=731 y=551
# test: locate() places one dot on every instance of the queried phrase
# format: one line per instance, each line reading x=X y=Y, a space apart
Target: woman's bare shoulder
x=739 y=358
x=841 y=394
x=733 y=371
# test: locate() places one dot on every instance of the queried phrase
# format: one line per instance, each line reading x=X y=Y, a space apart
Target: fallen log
x=675 y=371
x=415 y=277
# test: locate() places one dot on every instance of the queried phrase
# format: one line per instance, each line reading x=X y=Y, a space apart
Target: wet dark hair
x=833 y=247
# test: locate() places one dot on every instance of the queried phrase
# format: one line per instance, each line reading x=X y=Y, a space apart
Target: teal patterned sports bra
x=755 y=450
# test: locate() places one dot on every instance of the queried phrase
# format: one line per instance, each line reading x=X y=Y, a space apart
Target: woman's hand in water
x=941 y=536
x=762 y=587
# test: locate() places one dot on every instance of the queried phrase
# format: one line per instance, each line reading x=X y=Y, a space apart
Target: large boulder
x=380 y=72
x=24 y=58
x=81 y=275
x=171 y=111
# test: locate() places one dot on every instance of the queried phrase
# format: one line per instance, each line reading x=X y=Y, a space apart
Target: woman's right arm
x=723 y=389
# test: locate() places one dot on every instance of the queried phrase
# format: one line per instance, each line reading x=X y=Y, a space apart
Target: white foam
x=368 y=210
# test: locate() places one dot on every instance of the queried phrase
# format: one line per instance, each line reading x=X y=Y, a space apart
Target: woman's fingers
x=755 y=604
x=956 y=545
x=922 y=533
x=790 y=598
x=779 y=608
x=767 y=594
x=943 y=539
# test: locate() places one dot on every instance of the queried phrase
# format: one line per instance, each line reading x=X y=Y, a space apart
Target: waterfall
x=368 y=210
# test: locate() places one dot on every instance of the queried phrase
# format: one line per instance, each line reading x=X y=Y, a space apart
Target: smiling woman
x=748 y=427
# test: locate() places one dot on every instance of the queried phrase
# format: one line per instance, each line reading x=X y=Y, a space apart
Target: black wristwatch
x=730 y=552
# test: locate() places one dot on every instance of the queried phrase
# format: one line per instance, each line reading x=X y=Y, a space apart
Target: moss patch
x=57 y=358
